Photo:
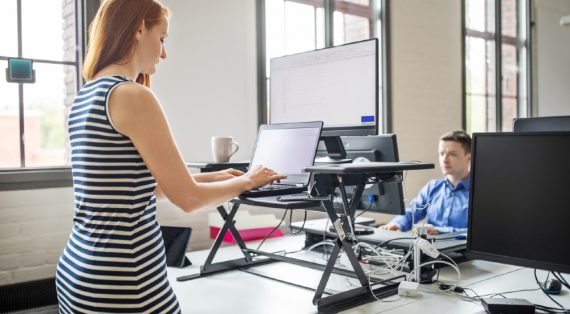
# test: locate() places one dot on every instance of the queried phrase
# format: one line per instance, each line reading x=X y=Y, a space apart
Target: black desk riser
x=333 y=176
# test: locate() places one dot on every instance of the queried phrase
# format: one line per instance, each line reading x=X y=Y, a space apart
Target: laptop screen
x=287 y=148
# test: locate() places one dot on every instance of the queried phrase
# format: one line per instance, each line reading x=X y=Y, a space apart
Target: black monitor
x=337 y=85
x=384 y=197
x=518 y=206
x=542 y=124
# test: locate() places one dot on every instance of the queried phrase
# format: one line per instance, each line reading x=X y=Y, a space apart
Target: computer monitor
x=384 y=197
x=337 y=85
x=542 y=124
x=518 y=206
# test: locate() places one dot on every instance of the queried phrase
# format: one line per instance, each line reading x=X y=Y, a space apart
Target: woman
x=123 y=155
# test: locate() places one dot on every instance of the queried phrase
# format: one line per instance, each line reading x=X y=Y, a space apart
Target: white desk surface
x=241 y=292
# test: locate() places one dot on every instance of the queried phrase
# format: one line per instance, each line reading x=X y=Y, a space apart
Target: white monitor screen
x=335 y=85
x=287 y=151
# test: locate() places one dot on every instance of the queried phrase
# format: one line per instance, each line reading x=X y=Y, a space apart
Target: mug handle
x=236 y=148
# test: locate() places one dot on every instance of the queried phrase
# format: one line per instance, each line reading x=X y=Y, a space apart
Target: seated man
x=443 y=201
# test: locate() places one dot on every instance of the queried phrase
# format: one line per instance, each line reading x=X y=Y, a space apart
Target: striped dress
x=114 y=261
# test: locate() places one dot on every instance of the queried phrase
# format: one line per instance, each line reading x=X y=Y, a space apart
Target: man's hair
x=459 y=136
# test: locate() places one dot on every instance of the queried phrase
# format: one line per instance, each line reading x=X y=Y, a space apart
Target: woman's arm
x=136 y=113
x=216 y=176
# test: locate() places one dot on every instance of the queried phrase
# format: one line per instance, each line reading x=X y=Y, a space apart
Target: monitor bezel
x=542 y=124
x=361 y=130
x=477 y=254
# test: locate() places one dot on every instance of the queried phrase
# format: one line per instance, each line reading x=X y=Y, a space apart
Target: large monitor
x=518 y=207
x=541 y=124
x=337 y=85
x=384 y=197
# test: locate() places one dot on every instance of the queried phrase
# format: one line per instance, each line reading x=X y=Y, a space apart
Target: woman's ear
x=140 y=31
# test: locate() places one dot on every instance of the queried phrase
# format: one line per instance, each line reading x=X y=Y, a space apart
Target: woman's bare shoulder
x=128 y=99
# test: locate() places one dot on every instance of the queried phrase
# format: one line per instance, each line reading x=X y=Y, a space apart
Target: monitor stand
x=335 y=151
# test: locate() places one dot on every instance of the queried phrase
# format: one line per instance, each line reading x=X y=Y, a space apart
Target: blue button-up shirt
x=444 y=205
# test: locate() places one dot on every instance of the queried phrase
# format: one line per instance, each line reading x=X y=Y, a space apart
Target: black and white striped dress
x=114 y=261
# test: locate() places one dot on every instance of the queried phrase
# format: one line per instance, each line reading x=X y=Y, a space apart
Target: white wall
x=207 y=84
x=552 y=59
x=426 y=80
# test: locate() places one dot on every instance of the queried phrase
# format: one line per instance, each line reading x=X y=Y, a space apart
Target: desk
x=242 y=292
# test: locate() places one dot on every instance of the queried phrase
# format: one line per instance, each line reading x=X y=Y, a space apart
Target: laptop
x=286 y=148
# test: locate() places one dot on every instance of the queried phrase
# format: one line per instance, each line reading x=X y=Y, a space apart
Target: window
x=496 y=83
x=33 y=116
x=293 y=26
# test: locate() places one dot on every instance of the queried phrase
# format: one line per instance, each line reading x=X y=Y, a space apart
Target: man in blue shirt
x=443 y=201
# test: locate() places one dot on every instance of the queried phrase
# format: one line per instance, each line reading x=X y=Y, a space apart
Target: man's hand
x=432 y=231
x=391 y=227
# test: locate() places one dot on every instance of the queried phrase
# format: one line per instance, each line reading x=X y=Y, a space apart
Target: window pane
x=475 y=15
x=509 y=18
x=48 y=29
x=476 y=113
x=300 y=31
x=9 y=123
x=476 y=66
x=292 y=27
x=509 y=113
x=491 y=91
x=9 y=27
x=46 y=108
x=510 y=86
x=510 y=70
x=351 y=21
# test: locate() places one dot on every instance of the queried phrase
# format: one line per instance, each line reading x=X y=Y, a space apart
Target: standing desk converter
x=328 y=178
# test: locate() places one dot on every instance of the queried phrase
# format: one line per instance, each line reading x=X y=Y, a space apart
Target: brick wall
x=34 y=227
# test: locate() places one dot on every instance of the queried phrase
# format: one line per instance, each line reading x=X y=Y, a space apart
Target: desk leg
x=327 y=273
x=352 y=297
x=210 y=268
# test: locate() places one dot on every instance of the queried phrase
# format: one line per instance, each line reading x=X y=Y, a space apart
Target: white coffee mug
x=223 y=147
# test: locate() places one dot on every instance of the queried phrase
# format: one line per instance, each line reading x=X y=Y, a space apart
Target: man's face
x=453 y=159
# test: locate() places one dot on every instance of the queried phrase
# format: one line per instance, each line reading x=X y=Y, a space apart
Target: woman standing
x=123 y=155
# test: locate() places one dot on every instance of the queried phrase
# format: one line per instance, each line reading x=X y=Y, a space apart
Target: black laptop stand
x=337 y=177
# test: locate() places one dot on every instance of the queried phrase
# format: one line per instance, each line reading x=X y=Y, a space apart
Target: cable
x=453 y=265
x=302 y=226
x=270 y=233
x=367 y=208
x=548 y=295
x=395 y=239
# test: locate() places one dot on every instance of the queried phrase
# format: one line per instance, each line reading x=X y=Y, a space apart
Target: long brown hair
x=112 y=33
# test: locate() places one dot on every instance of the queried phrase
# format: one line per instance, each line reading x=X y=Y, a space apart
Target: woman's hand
x=260 y=176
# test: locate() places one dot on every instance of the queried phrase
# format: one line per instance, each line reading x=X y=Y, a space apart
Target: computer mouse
x=552 y=286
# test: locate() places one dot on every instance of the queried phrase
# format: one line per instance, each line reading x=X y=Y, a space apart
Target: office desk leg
x=353 y=297
x=210 y=268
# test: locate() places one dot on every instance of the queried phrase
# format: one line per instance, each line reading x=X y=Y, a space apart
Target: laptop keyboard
x=274 y=187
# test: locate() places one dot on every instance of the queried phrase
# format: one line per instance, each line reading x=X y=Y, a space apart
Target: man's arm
x=449 y=229
x=420 y=206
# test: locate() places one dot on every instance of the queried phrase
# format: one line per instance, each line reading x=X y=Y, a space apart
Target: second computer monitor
x=336 y=85
x=384 y=197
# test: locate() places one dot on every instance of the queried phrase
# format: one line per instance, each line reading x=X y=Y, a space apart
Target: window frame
x=380 y=9
x=24 y=178
x=498 y=37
